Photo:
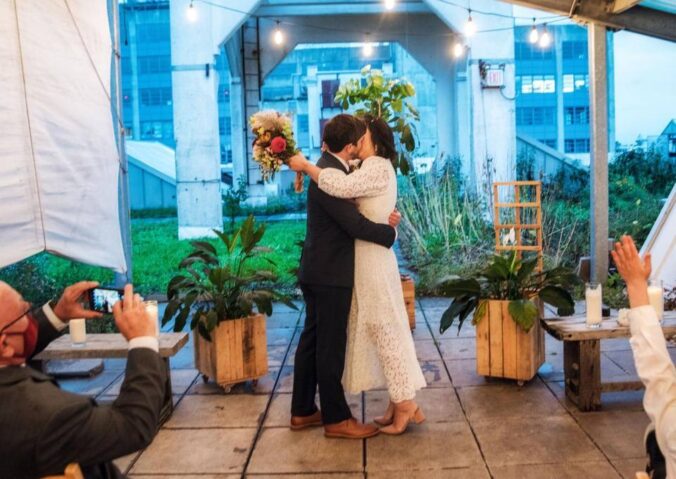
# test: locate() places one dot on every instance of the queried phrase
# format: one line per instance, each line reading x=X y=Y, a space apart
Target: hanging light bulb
x=278 y=36
x=390 y=4
x=191 y=13
x=470 y=26
x=367 y=50
x=458 y=49
x=534 y=35
x=545 y=38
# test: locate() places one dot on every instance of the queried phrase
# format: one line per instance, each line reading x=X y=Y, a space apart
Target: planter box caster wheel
x=254 y=383
x=226 y=388
x=205 y=378
x=519 y=383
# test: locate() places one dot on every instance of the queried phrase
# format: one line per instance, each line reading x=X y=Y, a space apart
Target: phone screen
x=103 y=299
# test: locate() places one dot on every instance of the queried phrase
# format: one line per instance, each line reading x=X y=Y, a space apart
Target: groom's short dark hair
x=342 y=130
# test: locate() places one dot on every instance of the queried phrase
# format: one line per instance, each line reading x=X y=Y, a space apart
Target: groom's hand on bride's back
x=395 y=218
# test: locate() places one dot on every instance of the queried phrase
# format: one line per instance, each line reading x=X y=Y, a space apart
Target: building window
x=537 y=84
x=329 y=89
x=154 y=64
x=672 y=146
x=156 y=130
x=303 y=123
x=573 y=83
x=535 y=116
x=578 y=115
x=574 y=50
x=528 y=51
x=224 y=126
x=580 y=145
x=155 y=96
x=549 y=142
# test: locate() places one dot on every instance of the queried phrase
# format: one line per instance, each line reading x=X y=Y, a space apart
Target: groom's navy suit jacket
x=332 y=226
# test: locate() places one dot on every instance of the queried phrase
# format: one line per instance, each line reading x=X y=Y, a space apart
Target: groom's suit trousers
x=320 y=356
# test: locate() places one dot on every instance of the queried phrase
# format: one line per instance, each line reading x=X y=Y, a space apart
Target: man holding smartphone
x=42 y=428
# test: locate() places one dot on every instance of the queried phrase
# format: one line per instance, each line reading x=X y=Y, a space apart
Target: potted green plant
x=504 y=299
x=226 y=301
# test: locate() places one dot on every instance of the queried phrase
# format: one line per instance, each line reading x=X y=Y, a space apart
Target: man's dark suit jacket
x=332 y=226
x=43 y=428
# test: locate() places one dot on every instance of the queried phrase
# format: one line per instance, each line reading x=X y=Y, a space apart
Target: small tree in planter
x=218 y=294
x=503 y=296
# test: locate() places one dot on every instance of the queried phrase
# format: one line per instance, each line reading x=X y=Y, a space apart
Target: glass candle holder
x=78 y=332
x=151 y=309
x=656 y=297
x=594 y=301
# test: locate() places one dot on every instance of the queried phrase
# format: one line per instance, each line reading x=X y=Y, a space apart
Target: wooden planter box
x=503 y=349
x=237 y=352
x=408 y=286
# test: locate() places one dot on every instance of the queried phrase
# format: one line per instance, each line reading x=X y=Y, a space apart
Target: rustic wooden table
x=582 y=356
x=115 y=346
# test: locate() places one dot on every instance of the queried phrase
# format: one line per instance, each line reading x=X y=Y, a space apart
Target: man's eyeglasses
x=11 y=323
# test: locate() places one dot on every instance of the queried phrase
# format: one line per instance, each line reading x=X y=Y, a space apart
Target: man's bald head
x=12 y=341
x=12 y=304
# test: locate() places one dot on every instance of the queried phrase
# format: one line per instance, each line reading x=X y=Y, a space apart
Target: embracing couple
x=356 y=335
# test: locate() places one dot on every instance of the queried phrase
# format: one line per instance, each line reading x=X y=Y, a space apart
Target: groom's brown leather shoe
x=301 y=422
x=350 y=429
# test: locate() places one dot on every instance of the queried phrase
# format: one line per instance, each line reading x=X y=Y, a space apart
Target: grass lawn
x=156 y=255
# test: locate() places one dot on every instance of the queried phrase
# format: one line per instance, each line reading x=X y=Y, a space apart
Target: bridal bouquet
x=273 y=144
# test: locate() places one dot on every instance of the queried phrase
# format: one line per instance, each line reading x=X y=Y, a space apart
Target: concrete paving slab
x=438 y=404
x=586 y=470
x=616 y=344
x=629 y=467
x=124 y=463
x=619 y=434
x=463 y=373
x=429 y=445
x=458 y=348
x=91 y=386
x=181 y=380
x=517 y=440
x=282 y=451
x=264 y=386
x=426 y=350
x=226 y=411
x=279 y=336
x=187 y=476
x=502 y=400
x=353 y=475
x=477 y=472
x=279 y=413
x=421 y=331
x=211 y=451
x=287 y=320
x=616 y=401
x=277 y=355
x=435 y=374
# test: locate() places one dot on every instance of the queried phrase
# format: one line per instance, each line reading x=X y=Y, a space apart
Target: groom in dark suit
x=43 y=428
x=327 y=277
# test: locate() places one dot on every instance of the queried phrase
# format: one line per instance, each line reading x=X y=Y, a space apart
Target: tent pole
x=123 y=189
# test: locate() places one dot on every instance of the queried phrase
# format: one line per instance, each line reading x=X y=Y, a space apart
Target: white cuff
x=149 y=342
x=641 y=317
x=53 y=318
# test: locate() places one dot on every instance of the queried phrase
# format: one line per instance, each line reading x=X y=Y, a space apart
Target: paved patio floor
x=476 y=428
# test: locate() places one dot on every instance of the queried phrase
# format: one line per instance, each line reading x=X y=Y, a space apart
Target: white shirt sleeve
x=149 y=342
x=53 y=318
x=370 y=180
x=656 y=370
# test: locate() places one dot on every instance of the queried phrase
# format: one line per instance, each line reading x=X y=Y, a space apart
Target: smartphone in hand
x=103 y=299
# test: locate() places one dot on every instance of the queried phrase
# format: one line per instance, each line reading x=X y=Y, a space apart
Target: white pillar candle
x=151 y=309
x=594 y=302
x=656 y=298
x=78 y=331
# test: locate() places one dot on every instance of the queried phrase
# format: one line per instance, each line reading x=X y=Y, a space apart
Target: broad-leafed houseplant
x=225 y=299
x=503 y=299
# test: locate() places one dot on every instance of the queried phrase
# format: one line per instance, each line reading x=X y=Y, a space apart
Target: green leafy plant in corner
x=387 y=99
x=508 y=278
x=233 y=198
x=212 y=287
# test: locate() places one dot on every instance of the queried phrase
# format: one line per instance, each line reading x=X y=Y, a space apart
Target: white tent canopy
x=59 y=164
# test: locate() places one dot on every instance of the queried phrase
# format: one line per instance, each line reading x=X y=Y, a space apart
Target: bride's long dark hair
x=382 y=137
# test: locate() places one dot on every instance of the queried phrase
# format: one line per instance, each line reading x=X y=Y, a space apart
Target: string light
x=367 y=50
x=470 y=26
x=191 y=14
x=545 y=38
x=278 y=36
x=390 y=4
x=534 y=35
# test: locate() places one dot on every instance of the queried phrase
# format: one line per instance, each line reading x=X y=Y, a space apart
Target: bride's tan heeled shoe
x=404 y=413
x=387 y=418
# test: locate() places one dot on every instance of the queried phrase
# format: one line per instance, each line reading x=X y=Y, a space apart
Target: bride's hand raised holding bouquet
x=274 y=144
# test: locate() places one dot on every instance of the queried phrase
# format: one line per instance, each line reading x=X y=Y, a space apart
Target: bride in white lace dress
x=380 y=348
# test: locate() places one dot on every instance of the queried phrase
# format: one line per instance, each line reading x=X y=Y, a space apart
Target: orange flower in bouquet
x=273 y=144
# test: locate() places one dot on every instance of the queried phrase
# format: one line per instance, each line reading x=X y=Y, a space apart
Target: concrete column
x=464 y=131
x=313 y=108
x=598 y=95
x=135 y=92
x=238 y=125
x=447 y=144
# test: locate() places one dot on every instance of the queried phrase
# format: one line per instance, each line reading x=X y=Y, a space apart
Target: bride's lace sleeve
x=370 y=180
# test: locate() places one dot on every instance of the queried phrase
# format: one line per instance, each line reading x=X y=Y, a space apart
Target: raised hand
x=131 y=317
x=298 y=162
x=634 y=270
x=69 y=305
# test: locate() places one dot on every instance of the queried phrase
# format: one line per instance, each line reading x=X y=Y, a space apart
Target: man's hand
x=395 y=218
x=69 y=306
x=131 y=317
x=633 y=270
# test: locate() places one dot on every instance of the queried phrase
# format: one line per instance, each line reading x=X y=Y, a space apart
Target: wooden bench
x=115 y=346
x=582 y=356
